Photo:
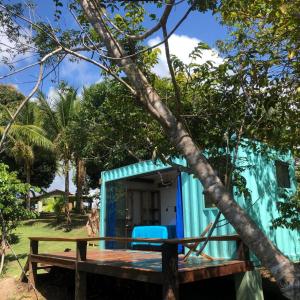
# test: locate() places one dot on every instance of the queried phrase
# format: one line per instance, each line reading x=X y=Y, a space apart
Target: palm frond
x=28 y=114
x=48 y=115
x=66 y=106
x=30 y=135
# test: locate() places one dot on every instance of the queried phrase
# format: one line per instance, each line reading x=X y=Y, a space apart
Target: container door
x=115 y=212
x=179 y=213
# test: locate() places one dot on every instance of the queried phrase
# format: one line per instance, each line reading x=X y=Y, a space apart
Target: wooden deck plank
x=213 y=271
x=142 y=265
x=121 y=272
x=54 y=260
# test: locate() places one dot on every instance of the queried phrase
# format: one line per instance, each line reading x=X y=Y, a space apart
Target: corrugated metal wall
x=197 y=217
x=260 y=174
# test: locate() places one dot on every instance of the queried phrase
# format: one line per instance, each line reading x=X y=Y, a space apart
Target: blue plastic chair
x=153 y=232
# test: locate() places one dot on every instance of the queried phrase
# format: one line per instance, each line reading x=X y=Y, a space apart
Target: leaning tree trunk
x=285 y=272
x=80 y=179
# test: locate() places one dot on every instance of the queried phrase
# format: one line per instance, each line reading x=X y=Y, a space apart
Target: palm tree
x=57 y=117
x=23 y=137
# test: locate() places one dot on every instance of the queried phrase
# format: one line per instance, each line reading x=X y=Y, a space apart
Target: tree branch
x=172 y=73
x=163 y=20
x=51 y=35
x=94 y=46
x=74 y=53
x=154 y=46
x=20 y=70
x=169 y=161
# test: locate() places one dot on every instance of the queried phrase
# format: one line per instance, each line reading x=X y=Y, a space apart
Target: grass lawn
x=45 y=226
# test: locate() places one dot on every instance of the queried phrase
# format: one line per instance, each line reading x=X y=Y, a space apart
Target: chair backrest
x=159 y=232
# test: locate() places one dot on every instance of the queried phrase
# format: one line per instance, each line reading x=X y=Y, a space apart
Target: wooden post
x=242 y=251
x=34 y=249
x=170 y=272
x=80 y=277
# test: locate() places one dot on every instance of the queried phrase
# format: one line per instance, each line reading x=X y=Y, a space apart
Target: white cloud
x=79 y=73
x=52 y=93
x=182 y=46
x=52 y=96
x=13 y=50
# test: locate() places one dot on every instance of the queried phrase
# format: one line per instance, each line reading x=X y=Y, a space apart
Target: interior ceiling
x=165 y=175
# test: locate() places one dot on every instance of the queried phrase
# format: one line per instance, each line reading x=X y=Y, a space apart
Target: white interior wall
x=137 y=187
x=167 y=197
x=168 y=205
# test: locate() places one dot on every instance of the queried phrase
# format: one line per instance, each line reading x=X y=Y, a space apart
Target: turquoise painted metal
x=260 y=174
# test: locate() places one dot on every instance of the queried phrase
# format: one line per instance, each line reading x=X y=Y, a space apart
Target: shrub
x=49 y=205
x=58 y=207
x=12 y=208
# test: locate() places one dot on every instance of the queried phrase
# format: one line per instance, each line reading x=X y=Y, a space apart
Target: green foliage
x=264 y=49
x=9 y=95
x=289 y=210
x=26 y=143
x=12 y=193
x=43 y=168
x=56 y=121
x=49 y=205
x=110 y=130
x=55 y=205
x=289 y=207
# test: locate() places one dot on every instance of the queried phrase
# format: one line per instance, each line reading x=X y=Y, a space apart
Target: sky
x=197 y=27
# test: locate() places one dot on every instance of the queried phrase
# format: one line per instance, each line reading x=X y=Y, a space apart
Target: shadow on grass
x=51 y=221
x=77 y=221
x=11 y=257
x=33 y=222
x=8 y=259
x=14 y=239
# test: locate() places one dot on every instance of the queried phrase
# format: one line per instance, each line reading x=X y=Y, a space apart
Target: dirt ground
x=12 y=289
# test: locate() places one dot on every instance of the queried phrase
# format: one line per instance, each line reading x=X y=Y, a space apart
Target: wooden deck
x=166 y=267
x=141 y=265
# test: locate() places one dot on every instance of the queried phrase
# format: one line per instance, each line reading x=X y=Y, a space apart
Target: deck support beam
x=170 y=272
x=80 y=276
x=34 y=249
x=242 y=251
x=248 y=286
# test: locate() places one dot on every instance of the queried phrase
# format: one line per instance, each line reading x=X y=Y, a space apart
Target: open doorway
x=147 y=199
